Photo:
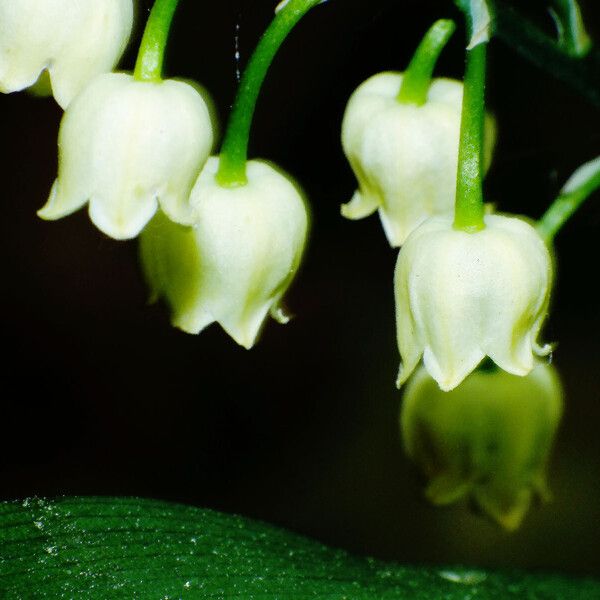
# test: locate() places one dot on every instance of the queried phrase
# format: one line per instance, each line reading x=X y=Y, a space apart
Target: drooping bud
x=127 y=147
x=404 y=156
x=463 y=296
x=488 y=439
x=73 y=41
x=239 y=259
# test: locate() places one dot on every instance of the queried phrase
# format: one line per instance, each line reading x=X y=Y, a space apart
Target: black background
x=102 y=396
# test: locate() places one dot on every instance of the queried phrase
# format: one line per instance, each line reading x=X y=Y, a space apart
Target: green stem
x=417 y=77
x=573 y=37
x=520 y=34
x=469 y=208
x=570 y=199
x=234 y=151
x=151 y=54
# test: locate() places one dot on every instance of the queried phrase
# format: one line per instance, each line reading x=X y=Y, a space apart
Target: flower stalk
x=234 y=151
x=572 y=35
x=584 y=182
x=149 y=64
x=469 y=209
x=417 y=77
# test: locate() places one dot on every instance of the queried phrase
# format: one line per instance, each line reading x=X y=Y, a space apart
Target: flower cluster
x=468 y=285
x=134 y=145
x=461 y=293
x=222 y=237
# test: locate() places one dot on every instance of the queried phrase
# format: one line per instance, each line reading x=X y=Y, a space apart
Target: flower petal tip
x=243 y=334
x=121 y=221
x=509 y=518
x=447 y=385
x=46 y=213
x=191 y=323
x=280 y=314
x=246 y=342
x=49 y=211
x=545 y=350
x=358 y=207
x=444 y=490
x=403 y=375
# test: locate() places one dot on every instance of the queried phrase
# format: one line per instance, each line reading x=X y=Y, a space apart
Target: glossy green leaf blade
x=99 y=548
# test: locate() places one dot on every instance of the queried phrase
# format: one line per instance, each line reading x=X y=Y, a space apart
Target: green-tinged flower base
x=488 y=439
x=124 y=548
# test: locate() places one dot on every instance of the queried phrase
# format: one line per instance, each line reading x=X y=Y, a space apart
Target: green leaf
x=523 y=36
x=572 y=35
x=113 y=548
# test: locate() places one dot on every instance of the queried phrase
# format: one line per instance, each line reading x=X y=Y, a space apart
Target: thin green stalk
x=234 y=151
x=584 y=182
x=524 y=37
x=572 y=36
x=417 y=77
x=469 y=208
x=151 y=54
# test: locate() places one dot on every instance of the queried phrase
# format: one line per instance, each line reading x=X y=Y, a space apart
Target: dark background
x=102 y=396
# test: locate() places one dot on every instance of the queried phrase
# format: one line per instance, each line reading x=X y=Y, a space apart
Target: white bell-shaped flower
x=463 y=296
x=128 y=146
x=236 y=263
x=404 y=156
x=488 y=439
x=73 y=40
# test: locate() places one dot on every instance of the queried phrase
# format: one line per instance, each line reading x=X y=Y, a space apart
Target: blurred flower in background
x=488 y=439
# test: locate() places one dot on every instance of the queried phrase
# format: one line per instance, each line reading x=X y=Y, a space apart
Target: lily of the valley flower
x=461 y=296
x=128 y=146
x=488 y=439
x=404 y=156
x=236 y=263
x=74 y=41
